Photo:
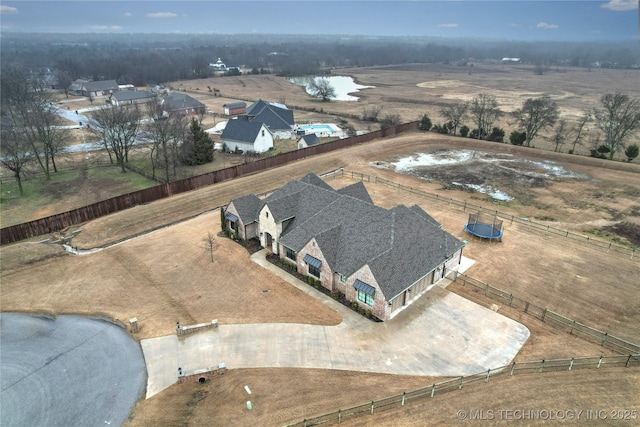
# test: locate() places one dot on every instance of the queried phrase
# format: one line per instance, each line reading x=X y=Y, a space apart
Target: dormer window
x=262 y=132
x=266 y=214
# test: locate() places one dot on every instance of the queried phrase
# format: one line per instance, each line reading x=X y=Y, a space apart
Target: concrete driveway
x=441 y=334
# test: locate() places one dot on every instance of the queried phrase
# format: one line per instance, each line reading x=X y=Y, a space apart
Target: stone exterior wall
x=380 y=308
x=269 y=225
x=326 y=275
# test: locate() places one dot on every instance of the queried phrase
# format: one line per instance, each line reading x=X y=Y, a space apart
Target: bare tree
x=618 y=119
x=536 y=114
x=455 y=114
x=390 y=120
x=25 y=101
x=559 y=137
x=321 y=88
x=579 y=130
x=15 y=154
x=210 y=243
x=166 y=136
x=370 y=112
x=484 y=110
x=64 y=80
x=118 y=128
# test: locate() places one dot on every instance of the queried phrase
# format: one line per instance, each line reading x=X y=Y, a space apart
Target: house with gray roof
x=176 y=104
x=277 y=117
x=93 y=89
x=244 y=134
x=381 y=259
x=129 y=97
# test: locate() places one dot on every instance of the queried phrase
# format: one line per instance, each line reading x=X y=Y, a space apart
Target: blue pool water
x=316 y=128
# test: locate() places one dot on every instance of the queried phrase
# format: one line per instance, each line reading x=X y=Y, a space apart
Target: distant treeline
x=143 y=59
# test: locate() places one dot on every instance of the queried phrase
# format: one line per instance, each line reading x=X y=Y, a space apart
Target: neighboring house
x=511 y=60
x=308 y=140
x=129 y=97
x=235 y=108
x=277 y=117
x=92 y=89
x=240 y=133
x=177 y=104
x=381 y=259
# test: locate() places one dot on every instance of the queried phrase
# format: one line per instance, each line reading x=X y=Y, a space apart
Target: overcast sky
x=509 y=19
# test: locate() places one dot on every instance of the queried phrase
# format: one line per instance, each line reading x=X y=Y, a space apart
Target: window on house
x=291 y=254
x=267 y=214
x=314 y=271
x=343 y=278
x=365 y=298
x=365 y=292
x=314 y=265
x=232 y=225
x=262 y=132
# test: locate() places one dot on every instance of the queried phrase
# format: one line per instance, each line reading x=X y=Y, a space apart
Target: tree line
x=159 y=58
x=617 y=118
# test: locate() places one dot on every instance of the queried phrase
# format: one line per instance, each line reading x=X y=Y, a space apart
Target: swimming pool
x=317 y=128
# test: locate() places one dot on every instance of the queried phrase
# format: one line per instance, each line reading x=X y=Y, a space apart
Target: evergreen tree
x=197 y=148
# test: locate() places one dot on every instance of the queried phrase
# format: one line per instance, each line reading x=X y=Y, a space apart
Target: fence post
x=460 y=386
x=513 y=367
x=526 y=307
x=486 y=289
x=544 y=313
x=488 y=372
x=571 y=364
x=628 y=360
x=339 y=416
x=372 y=407
x=510 y=299
x=541 y=365
x=604 y=339
x=433 y=389
x=572 y=326
x=599 y=362
x=403 y=394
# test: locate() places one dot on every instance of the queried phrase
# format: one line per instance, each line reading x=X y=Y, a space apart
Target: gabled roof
x=357 y=190
x=130 y=95
x=180 y=101
x=242 y=129
x=400 y=245
x=239 y=104
x=275 y=116
x=248 y=208
x=310 y=139
x=101 y=85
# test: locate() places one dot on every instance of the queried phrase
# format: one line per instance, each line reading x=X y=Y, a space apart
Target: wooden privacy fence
x=63 y=220
x=557 y=320
x=608 y=247
x=399 y=400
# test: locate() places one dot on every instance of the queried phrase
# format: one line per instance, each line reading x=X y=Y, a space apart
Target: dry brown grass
x=167 y=275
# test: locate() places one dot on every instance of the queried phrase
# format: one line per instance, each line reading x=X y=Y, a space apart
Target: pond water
x=343 y=85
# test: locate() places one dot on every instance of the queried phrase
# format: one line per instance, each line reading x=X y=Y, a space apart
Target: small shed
x=235 y=108
x=308 y=140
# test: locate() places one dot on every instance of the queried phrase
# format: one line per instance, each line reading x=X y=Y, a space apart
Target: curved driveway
x=441 y=334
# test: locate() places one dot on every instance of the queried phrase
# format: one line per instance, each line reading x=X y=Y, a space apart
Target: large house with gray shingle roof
x=278 y=118
x=382 y=259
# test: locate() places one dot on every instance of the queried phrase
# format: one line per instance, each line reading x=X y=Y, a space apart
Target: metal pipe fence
x=559 y=321
x=545 y=229
x=515 y=368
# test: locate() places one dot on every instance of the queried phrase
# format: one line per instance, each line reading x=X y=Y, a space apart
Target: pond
x=343 y=85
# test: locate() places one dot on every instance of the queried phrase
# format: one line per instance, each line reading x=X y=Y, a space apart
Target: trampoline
x=484 y=228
